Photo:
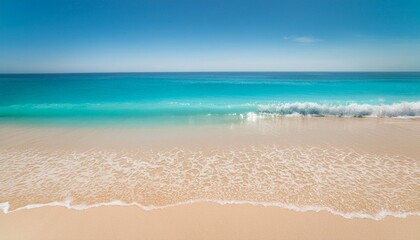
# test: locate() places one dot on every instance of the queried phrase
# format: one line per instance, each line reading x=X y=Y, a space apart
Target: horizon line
x=116 y=72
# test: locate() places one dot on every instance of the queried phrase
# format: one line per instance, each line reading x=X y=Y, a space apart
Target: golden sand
x=352 y=167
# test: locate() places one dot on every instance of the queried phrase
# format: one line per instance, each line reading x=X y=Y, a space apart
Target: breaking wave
x=205 y=111
x=404 y=109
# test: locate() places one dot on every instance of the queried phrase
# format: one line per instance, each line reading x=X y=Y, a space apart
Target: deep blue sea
x=194 y=98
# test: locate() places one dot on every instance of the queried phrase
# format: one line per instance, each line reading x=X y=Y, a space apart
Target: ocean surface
x=194 y=98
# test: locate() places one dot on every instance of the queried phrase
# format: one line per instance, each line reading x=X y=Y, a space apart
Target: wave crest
x=404 y=109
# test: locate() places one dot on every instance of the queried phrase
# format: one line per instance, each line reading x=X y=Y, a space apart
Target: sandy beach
x=364 y=172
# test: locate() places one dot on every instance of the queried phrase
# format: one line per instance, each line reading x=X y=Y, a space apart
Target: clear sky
x=211 y=35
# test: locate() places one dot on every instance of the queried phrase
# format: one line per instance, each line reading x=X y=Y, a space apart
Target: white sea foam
x=340 y=181
x=403 y=109
x=68 y=204
x=4 y=207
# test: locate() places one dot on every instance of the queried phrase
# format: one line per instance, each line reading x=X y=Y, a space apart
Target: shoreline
x=199 y=221
x=4 y=207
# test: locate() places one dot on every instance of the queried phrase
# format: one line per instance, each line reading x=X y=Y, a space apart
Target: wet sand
x=198 y=221
x=389 y=142
x=373 y=135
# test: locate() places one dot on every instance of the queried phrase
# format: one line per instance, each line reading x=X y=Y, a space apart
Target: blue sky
x=212 y=35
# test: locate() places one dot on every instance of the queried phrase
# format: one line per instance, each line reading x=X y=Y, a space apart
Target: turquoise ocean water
x=194 y=98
